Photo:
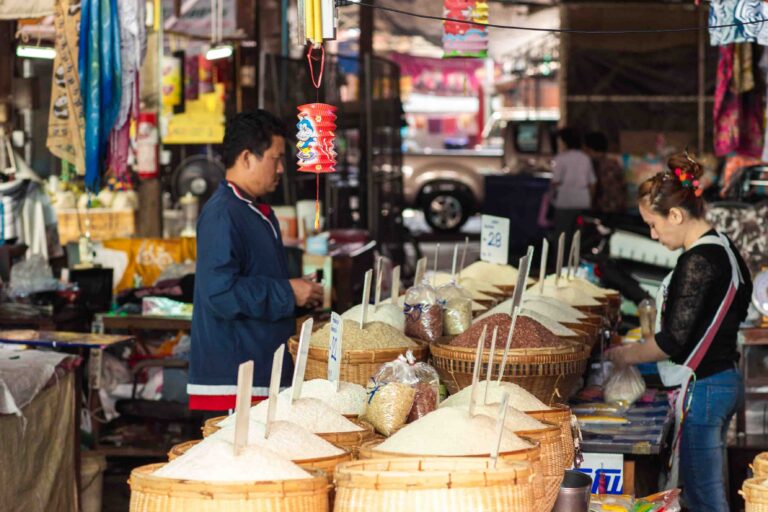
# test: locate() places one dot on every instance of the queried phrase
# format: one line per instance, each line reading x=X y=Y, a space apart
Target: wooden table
x=146 y=323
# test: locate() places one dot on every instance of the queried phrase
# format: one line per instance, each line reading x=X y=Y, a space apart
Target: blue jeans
x=702 y=447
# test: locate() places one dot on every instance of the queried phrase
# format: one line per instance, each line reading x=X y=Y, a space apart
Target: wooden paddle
x=489 y=370
x=274 y=388
x=476 y=371
x=543 y=265
x=366 y=298
x=301 y=359
x=559 y=263
x=501 y=417
x=243 y=405
x=515 y=313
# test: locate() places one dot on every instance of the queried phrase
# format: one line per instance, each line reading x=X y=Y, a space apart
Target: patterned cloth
x=746 y=227
x=741 y=14
x=738 y=118
x=66 y=121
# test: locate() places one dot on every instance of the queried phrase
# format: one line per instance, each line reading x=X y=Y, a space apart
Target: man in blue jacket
x=244 y=300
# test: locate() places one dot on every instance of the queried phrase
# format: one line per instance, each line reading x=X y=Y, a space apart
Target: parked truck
x=448 y=185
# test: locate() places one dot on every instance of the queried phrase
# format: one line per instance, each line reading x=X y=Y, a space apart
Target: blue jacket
x=244 y=305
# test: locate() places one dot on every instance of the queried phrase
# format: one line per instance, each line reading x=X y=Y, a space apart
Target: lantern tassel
x=317 y=205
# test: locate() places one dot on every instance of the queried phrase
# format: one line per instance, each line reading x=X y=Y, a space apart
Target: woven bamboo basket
x=581 y=337
x=357 y=366
x=547 y=373
x=434 y=485
x=760 y=465
x=212 y=425
x=531 y=455
x=351 y=441
x=325 y=464
x=151 y=493
x=552 y=460
x=598 y=310
x=755 y=495
x=559 y=415
x=592 y=331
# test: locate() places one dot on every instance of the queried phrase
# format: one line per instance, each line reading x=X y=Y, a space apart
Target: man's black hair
x=252 y=131
x=596 y=141
x=570 y=137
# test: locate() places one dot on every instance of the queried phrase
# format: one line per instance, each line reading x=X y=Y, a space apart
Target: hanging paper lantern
x=316 y=131
x=464 y=39
x=315 y=135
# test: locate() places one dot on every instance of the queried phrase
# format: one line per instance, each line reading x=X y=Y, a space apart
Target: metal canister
x=575 y=492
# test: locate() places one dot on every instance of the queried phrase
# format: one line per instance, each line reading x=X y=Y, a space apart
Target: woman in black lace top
x=702 y=303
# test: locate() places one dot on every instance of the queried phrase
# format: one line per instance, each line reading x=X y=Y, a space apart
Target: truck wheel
x=446 y=210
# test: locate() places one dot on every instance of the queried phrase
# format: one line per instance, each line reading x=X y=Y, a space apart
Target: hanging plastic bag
x=457 y=308
x=625 y=386
x=423 y=313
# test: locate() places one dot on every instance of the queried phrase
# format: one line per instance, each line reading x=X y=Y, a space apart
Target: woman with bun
x=700 y=306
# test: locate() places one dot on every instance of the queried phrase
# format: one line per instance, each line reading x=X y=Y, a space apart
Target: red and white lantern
x=315 y=135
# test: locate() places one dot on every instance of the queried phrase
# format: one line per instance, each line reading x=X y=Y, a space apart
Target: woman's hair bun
x=686 y=164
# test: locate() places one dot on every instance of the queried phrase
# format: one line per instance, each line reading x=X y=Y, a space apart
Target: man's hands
x=307 y=293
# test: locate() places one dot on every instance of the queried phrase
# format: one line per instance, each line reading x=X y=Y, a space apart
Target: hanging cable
x=551 y=30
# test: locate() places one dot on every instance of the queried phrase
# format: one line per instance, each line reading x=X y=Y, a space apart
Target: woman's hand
x=621 y=356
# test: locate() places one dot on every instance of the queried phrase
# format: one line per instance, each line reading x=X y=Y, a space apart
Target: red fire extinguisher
x=147 y=140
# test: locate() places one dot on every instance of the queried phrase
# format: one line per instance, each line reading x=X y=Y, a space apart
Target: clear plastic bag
x=625 y=386
x=457 y=308
x=390 y=407
x=32 y=275
x=423 y=313
x=665 y=501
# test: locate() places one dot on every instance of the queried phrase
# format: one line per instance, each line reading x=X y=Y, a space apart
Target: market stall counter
x=37 y=402
x=628 y=445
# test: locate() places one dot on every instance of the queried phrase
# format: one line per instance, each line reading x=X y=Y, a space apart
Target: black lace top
x=697 y=288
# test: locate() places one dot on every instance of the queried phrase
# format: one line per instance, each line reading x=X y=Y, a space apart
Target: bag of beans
x=457 y=308
x=423 y=313
x=402 y=391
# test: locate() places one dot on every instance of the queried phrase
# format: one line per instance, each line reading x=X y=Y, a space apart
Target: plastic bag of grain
x=388 y=406
x=625 y=386
x=423 y=313
x=457 y=308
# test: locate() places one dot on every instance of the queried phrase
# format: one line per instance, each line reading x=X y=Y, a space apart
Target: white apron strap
x=686 y=372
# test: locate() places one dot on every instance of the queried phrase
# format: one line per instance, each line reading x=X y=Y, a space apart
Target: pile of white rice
x=348 y=400
x=310 y=413
x=289 y=440
x=215 y=461
x=519 y=398
x=451 y=431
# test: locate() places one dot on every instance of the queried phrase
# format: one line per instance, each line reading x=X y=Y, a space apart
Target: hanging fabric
x=738 y=118
x=66 y=121
x=464 y=39
x=100 y=81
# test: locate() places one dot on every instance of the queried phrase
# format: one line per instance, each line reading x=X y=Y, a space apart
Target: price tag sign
x=334 y=350
x=494 y=240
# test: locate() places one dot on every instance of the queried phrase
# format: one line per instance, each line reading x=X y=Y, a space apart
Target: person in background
x=573 y=182
x=702 y=303
x=610 y=190
x=244 y=300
